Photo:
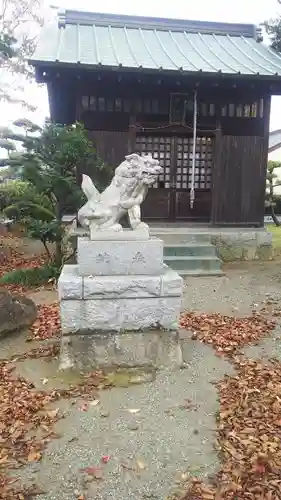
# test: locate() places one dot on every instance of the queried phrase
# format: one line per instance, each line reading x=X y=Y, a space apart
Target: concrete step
x=189 y=250
x=202 y=264
x=181 y=238
x=199 y=273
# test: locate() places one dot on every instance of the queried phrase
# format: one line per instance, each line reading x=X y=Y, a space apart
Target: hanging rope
x=192 y=190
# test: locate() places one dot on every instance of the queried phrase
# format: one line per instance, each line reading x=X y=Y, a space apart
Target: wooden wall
x=111 y=146
x=239 y=175
x=238 y=181
x=62 y=102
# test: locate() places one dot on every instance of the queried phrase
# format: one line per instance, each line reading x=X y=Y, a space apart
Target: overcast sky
x=241 y=11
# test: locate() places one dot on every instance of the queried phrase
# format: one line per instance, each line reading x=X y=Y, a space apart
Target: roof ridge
x=67 y=16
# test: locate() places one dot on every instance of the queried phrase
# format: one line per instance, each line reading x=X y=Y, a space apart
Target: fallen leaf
x=105 y=459
x=259 y=468
x=53 y=413
x=74 y=438
x=95 y=472
x=133 y=426
x=140 y=465
x=34 y=456
x=84 y=407
x=95 y=402
x=104 y=414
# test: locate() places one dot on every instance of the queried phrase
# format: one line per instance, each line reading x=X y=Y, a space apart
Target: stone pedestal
x=119 y=306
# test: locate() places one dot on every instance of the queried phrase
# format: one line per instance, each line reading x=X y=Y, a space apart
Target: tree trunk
x=47 y=250
x=275 y=220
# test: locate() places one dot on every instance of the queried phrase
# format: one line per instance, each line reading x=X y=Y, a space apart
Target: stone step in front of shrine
x=193 y=259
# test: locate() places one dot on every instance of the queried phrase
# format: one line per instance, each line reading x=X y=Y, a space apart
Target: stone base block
x=109 y=258
x=87 y=352
x=71 y=286
x=243 y=245
x=119 y=314
x=127 y=235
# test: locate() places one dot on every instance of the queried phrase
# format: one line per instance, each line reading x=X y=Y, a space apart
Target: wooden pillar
x=132 y=126
x=216 y=173
x=266 y=121
x=132 y=134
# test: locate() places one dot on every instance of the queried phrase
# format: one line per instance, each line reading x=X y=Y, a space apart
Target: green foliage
x=7 y=46
x=19 y=25
x=272 y=182
x=52 y=160
x=46 y=231
x=24 y=211
x=273 y=28
x=31 y=276
x=17 y=191
x=272 y=179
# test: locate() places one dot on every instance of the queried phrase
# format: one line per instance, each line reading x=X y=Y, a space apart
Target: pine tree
x=272 y=182
x=52 y=159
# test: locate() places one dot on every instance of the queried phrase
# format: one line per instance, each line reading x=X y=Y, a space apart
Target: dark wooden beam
x=266 y=123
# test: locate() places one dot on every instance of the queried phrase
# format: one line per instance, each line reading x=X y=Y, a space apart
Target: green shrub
x=30 y=277
x=20 y=192
x=23 y=210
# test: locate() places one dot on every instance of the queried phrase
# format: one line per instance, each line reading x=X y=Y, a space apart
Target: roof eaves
x=155 y=23
x=95 y=66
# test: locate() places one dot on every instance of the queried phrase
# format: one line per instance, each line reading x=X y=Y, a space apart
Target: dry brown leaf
x=141 y=465
x=95 y=402
x=34 y=456
x=95 y=472
x=53 y=413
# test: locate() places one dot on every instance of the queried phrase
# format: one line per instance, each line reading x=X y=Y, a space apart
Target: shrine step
x=181 y=238
x=186 y=265
x=189 y=250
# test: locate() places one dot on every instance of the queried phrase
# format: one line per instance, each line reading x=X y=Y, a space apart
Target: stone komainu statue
x=125 y=194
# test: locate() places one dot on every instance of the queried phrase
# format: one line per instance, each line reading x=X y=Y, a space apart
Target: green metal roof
x=111 y=41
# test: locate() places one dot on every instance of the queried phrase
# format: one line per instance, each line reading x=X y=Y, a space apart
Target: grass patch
x=29 y=277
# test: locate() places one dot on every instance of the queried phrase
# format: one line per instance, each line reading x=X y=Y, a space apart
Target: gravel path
x=172 y=433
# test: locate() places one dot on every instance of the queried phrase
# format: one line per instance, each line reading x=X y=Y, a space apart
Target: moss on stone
x=264 y=252
x=229 y=253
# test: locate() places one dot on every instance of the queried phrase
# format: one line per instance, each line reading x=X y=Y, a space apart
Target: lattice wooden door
x=159 y=201
x=170 y=197
x=202 y=179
